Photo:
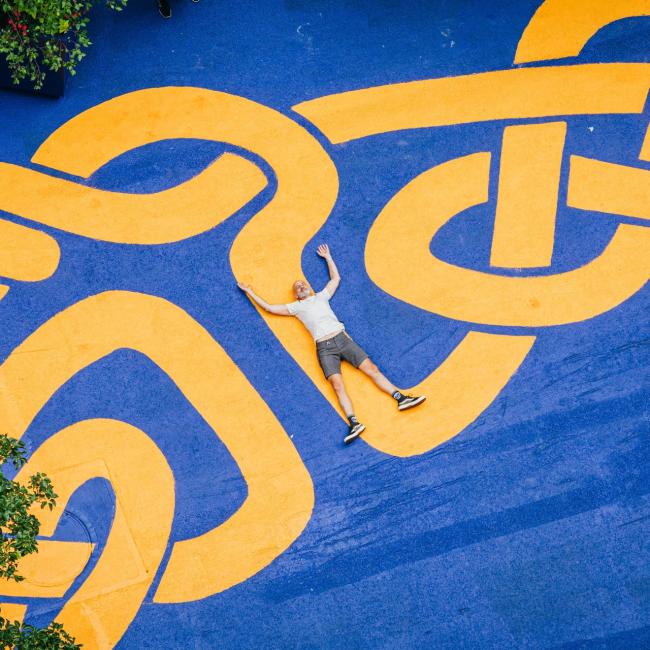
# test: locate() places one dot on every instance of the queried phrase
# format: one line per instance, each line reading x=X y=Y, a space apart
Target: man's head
x=301 y=289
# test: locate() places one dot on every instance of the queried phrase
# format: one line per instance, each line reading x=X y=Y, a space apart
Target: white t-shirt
x=316 y=315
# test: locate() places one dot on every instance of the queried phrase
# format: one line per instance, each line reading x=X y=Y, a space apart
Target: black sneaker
x=409 y=401
x=355 y=431
x=164 y=9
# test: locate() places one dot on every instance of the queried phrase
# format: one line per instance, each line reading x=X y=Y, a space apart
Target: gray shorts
x=341 y=346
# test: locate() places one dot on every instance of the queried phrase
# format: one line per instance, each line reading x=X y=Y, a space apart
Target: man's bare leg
x=336 y=380
x=342 y=395
x=403 y=401
x=375 y=374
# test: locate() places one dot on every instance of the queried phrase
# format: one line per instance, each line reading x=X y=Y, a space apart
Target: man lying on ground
x=333 y=343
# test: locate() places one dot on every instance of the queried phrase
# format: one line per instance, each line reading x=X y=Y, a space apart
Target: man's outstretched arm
x=335 y=279
x=280 y=310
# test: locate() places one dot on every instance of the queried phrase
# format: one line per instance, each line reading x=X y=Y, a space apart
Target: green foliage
x=36 y=35
x=19 y=528
x=18 y=531
x=25 y=637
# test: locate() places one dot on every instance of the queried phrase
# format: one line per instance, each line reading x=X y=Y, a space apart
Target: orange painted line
x=560 y=29
x=99 y=612
x=529 y=181
x=501 y=95
x=50 y=572
x=405 y=268
x=161 y=217
x=13 y=611
x=607 y=187
x=280 y=491
x=26 y=254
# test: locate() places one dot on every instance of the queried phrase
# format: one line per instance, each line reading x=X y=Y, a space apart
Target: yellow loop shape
x=100 y=611
x=461 y=293
x=280 y=491
x=158 y=218
x=307 y=179
x=406 y=269
x=561 y=28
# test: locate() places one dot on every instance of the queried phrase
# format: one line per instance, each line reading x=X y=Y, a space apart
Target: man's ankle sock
x=353 y=420
x=397 y=395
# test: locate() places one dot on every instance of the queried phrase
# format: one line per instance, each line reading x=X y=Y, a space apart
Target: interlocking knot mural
x=538 y=100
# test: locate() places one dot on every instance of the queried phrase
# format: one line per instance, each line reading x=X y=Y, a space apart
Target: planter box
x=53 y=83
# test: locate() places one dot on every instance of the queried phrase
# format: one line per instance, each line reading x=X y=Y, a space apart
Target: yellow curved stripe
x=608 y=187
x=26 y=254
x=458 y=391
x=267 y=254
x=269 y=248
x=171 y=215
x=280 y=492
x=117 y=125
x=503 y=94
x=561 y=28
x=404 y=267
x=50 y=572
x=101 y=610
x=529 y=180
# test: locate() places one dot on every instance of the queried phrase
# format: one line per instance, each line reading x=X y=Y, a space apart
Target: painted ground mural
x=481 y=172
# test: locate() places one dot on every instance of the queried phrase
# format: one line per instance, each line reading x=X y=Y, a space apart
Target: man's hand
x=281 y=310
x=324 y=251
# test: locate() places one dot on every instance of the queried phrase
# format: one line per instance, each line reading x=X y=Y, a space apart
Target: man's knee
x=369 y=367
x=337 y=382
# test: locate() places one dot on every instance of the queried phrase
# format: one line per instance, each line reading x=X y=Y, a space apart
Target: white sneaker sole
x=351 y=436
x=410 y=405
